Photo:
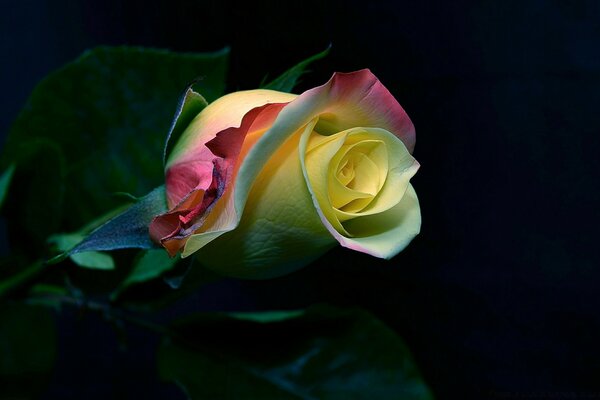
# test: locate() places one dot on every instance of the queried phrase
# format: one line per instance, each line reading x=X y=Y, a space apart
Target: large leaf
x=288 y=80
x=322 y=353
x=27 y=350
x=108 y=114
x=33 y=209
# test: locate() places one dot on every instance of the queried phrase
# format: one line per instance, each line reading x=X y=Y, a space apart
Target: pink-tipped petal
x=356 y=99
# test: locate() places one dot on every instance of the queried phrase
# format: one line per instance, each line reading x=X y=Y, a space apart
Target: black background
x=497 y=296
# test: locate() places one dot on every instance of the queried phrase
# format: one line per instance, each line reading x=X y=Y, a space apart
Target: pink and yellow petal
x=357 y=99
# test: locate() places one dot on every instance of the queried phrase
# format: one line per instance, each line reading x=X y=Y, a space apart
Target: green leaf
x=5 y=182
x=104 y=118
x=94 y=260
x=151 y=264
x=27 y=348
x=288 y=80
x=323 y=353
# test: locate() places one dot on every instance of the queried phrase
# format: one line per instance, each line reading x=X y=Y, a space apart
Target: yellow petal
x=316 y=164
x=386 y=234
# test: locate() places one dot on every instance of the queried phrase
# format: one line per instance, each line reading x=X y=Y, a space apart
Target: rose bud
x=262 y=182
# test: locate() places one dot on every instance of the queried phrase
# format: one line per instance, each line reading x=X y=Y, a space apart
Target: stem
x=21 y=277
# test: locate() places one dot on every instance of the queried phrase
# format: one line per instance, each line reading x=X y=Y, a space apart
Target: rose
x=263 y=182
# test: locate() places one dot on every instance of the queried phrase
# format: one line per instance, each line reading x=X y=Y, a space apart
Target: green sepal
x=190 y=105
x=125 y=231
x=289 y=79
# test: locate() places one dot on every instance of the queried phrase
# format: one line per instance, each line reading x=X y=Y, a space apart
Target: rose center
x=358 y=172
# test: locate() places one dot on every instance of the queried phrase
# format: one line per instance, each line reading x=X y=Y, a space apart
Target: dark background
x=497 y=297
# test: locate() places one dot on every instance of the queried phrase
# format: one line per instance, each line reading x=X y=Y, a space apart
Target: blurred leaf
x=322 y=353
x=94 y=260
x=48 y=289
x=288 y=80
x=268 y=316
x=90 y=259
x=5 y=182
x=151 y=264
x=105 y=116
x=27 y=349
x=47 y=295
